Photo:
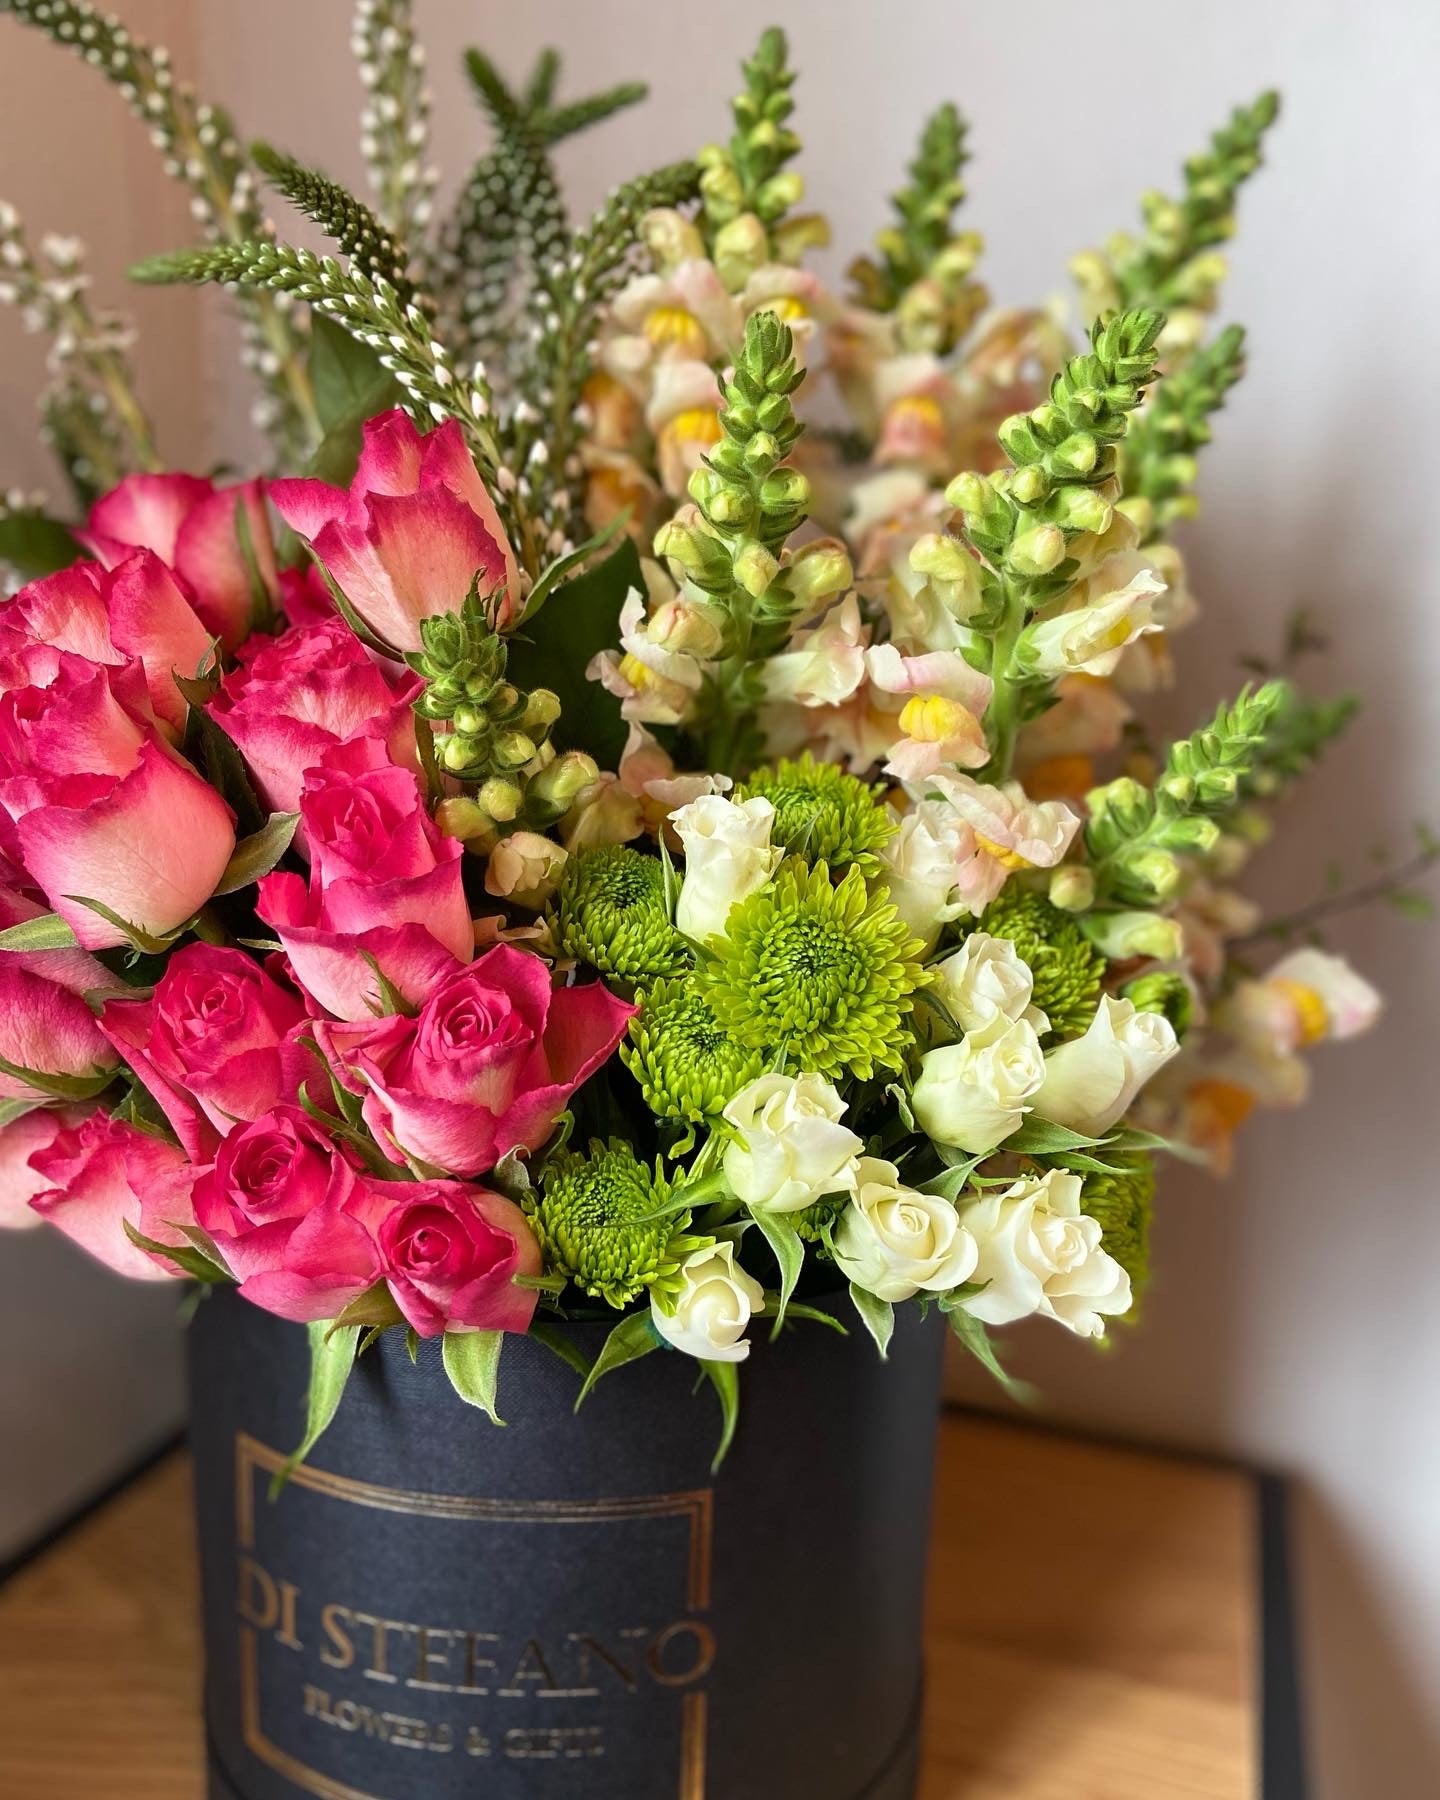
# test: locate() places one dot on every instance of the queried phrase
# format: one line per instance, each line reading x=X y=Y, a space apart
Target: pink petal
x=210 y=560
x=147 y=511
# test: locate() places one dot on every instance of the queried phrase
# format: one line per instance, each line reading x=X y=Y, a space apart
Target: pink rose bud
x=450 y=1254
x=48 y=1033
x=216 y=1043
x=132 y=612
x=294 y=697
x=20 y=1181
x=100 y=806
x=280 y=1203
x=194 y=527
x=101 y=1174
x=486 y=1066
x=411 y=534
x=385 y=887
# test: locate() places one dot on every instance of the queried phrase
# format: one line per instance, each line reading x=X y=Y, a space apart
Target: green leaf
x=48 y=932
x=558 y=1339
x=11 y=1110
x=1412 y=905
x=374 y=1308
x=139 y=939
x=554 y=573
x=349 y=381
x=472 y=1361
x=878 y=1317
x=412 y=1345
x=797 y=1310
x=724 y=1377
x=581 y=619
x=206 y=1245
x=1039 y=1137
x=332 y=1356
x=789 y=1250
x=191 y=1262
x=33 y=544
x=635 y=1336
x=258 y=854
x=390 y=1001
x=59 y=1087
x=222 y=765
x=976 y=1339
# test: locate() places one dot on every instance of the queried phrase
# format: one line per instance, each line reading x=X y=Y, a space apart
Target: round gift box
x=573 y=1607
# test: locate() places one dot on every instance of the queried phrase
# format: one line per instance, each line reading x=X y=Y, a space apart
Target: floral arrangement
x=566 y=845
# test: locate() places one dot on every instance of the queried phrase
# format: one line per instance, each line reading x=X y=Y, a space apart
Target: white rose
x=893 y=1241
x=792 y=1148
x=1091 y=1081
x=921 y=861
x=984 y=981
x=713 y=1308
x=975 y=1093
x=1038 y=1253
x=728 y=855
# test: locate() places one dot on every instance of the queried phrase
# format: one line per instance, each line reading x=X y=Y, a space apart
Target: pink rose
x=280 y=1203
x=192 y=525
x=101 y=1173
x=48 y=1031
x=216 y=1043
x=304 y=597
x=20 y=1182
x=450 y=1253
x=486 y=1066
x=131 y=613
x=294 y=697
x=385 y=884
x=411 y=534
x=99 y=804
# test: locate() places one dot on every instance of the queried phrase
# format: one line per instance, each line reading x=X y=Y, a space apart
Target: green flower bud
x=551 y=793
x=1072 y=888
x=1165 y=991
x=755 y=567
x=459 y=753
x=542 y=709
x=1038 y=551
x=688 y=1067
x=609 y=911
x=500 y=798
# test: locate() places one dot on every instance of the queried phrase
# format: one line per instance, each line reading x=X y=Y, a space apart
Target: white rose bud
x=713 y=1308
x=974 y=1094
x=792 y=1148
x=728 y=855
x=984 y=981
x=1038 y=1253
x=921 y=861
x=524 y=867
x=1091 y=1081
x=893 y=1241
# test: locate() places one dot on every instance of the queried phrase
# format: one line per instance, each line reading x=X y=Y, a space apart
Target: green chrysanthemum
x=812 y=1222
x=824 y=974
x=1165 y=991
x=609 y=911
x=1123 y=1203
x=687 y=1064
x=1067 y=967
x=821 y=813
x=592 y=1215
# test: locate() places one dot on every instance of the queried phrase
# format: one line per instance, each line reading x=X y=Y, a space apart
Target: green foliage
x=199 y=144
x=32 y=544
x=332 y=1356
x=749 y=503
x=1173 y=263
x=346 y=221
x=746 y=179
x=601 y=1223
x=472 y=1361
x=821 y=813
x=1136 y=834
x=609 y=911
x=634 y=1337
x=687 y=1064
x=1159 y=454
x=1123 y=1202
x=1068 y=970
x=1299 y=732
x=395 y=125
x=822 y=975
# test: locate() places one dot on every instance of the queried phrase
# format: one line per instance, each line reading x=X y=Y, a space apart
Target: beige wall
x=1294 y=1318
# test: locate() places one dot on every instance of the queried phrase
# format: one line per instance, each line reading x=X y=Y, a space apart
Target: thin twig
x=1330 y=905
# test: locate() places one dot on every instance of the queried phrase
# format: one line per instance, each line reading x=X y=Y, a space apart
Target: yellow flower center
x=919 y=409
x=787 y=307
x=1060 y=778
x=638 y=674
x=673 y=328
x=696 y=425
x=1007 y=859
x=932 y=718
x=1310 y=1009
x=1226 y=1102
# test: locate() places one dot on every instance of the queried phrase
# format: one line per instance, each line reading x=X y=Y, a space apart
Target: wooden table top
x=1093 y=1633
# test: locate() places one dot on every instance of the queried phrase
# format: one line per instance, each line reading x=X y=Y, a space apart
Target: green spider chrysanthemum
x=1165 y=991
x=823 y=974
x=1067 y=967
x=687 y=1064
x=592 y=1215
x=821 y=813
x=609 y=911
x=1123 y=1203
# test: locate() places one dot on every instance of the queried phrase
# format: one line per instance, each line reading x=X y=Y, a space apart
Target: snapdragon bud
x=556 y=788
x=1038 y=550
x=1072 y=888
x=755 y=567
